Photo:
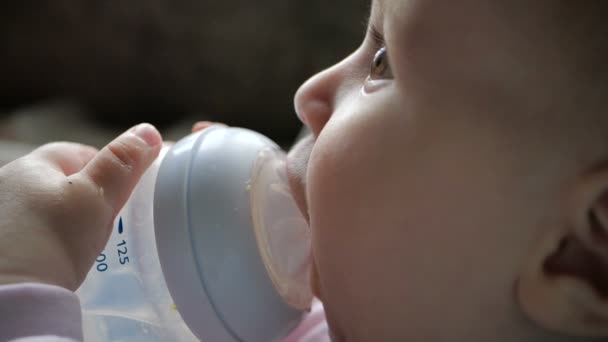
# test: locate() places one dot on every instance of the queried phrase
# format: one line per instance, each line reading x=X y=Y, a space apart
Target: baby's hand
x=57 y=205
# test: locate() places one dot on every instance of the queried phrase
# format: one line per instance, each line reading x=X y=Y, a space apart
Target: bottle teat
x=234 y=248
x=282 y=232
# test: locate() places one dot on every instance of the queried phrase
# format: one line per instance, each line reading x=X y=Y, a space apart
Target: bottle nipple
x=281 y=231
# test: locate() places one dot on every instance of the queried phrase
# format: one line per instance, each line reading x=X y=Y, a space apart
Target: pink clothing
x=313 y=328
x=36 y=313
x=45 y=313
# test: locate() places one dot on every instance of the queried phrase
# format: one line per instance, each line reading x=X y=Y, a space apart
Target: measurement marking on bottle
x=121 y=247
x=102 y=260
x=102 y=266
x=122 y=252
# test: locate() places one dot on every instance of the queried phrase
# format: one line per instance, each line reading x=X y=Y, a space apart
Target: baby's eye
x=381 y=68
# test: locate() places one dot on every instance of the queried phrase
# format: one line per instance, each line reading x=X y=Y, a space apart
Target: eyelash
x=380 y=65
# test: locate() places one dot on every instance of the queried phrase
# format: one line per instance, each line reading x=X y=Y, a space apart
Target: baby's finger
x=65 y=157
x=201 y=125
x=117 y=168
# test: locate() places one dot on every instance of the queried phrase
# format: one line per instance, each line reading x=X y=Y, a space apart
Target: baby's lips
x=297 y=169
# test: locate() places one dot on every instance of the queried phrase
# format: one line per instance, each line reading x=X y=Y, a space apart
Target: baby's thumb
x=117 y=168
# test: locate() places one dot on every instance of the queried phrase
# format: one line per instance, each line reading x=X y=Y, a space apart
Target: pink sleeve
x=44 y=313
x=39 y=313
x=313 y=328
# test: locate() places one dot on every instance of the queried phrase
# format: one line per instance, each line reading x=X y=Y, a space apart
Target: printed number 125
x=122 y=252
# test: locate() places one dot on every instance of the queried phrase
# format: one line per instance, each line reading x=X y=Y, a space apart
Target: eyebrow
x=379 y=4
x=371 y=26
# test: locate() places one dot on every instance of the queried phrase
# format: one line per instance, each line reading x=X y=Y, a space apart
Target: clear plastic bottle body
x=125 y=297
x=210 y=230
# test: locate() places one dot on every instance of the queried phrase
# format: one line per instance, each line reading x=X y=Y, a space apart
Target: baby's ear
x=564 y=285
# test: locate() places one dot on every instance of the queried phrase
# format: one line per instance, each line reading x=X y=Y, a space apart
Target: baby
x=455 y=180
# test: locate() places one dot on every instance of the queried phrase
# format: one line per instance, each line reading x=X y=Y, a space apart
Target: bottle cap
x=233 y=246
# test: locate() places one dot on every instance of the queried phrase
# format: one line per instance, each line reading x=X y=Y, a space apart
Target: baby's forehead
x=505 y=32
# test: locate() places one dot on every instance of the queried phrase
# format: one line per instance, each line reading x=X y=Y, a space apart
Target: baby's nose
x=314 y=101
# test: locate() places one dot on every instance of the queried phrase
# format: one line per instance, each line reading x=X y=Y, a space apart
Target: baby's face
x=425 y=194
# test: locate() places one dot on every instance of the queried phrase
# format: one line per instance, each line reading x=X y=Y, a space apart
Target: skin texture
x=430 y=188
x=445 y=173
x=58 y=204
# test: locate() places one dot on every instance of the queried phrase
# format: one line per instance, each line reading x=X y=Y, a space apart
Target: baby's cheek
x=338 y=221
x=355 y=188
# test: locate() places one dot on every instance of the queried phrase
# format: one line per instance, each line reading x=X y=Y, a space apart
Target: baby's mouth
x=297 y=167
x=297 y=170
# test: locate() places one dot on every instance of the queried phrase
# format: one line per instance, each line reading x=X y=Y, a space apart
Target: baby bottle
x=209 y=247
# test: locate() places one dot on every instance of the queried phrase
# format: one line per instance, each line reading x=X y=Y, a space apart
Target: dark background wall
x=128 y=61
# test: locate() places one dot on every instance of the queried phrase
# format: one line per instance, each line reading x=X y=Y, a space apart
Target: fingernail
x=147 y=133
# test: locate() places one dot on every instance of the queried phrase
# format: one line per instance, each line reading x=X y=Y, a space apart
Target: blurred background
x=85 y=70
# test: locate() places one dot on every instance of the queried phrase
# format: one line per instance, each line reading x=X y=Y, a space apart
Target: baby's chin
x=315 y=284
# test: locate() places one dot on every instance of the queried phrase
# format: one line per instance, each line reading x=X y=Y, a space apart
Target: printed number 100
x=102 y=266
